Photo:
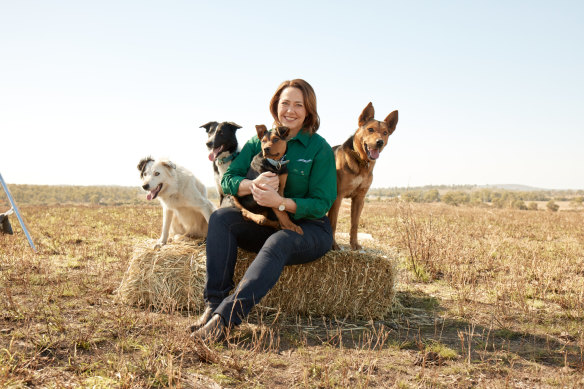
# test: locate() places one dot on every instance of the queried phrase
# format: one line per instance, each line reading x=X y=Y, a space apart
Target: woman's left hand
x=266 y=196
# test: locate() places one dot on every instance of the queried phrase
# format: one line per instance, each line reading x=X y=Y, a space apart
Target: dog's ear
x=208 y=126
x=283 y=132
x=261 y=130
x=143 y=163
x=233 y=126
x=367 y=114
x=168 y=164
x=391 y=121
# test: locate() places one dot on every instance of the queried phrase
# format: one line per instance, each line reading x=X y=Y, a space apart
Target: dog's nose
x=209 y=144
x=379 y=143
x=145 y=186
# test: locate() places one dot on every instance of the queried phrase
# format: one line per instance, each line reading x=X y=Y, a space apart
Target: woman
x=310 y=191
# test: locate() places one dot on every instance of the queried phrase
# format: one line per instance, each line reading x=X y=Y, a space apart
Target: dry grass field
x=487 y=298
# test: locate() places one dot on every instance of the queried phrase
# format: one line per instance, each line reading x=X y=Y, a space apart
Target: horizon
x=486 y=93
x=506 y=187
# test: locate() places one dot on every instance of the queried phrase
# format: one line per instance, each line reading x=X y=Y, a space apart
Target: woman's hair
x=312 y=121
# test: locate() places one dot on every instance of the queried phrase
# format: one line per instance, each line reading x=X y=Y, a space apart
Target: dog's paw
x=292 y=227
x=158 y=245
x=335 y=246
x=356 y=246
x=298 y=230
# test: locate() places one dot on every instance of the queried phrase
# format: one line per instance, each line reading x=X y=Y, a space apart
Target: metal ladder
x=15 y=209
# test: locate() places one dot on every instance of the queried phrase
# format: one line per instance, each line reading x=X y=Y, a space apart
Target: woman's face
x=291 y=109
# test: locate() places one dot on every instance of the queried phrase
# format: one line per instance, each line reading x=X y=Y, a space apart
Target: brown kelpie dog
x=270 y=159
x=355 y=160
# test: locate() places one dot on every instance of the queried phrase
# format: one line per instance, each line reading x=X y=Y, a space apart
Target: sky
x=488 y=92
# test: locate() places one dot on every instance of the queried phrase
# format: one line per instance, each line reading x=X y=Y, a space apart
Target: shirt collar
x=303 y=137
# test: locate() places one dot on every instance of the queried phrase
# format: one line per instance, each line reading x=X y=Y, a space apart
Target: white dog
x=186 y=208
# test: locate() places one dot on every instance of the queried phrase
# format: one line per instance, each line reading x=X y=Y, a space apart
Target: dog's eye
x=156 y=173
x=371 y=130
x=384 y=132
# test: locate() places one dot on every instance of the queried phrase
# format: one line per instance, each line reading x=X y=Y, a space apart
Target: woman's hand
x=266 y=195
x=268 y=179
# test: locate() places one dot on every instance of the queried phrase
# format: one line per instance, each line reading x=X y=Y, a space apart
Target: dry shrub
x=419 y=237
x=341 y=284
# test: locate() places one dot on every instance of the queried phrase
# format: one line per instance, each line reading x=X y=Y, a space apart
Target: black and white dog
x=222 y=145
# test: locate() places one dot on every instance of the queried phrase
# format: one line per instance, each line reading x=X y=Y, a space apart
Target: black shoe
x=6 y=227
x=201 y=320
x=213 y=331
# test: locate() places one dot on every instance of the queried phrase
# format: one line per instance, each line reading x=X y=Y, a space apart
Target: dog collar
x=221 y=161
x=278 y=164
x=359 y=159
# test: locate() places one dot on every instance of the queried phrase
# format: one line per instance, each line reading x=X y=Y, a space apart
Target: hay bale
x=167 y=279
x=341 y=284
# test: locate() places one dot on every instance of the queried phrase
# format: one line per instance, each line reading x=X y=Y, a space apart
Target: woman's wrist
x=287 y=205
x=244 y=187
x=282 y=204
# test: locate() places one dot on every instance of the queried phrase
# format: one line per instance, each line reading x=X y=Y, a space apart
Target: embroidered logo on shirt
x=304 y=160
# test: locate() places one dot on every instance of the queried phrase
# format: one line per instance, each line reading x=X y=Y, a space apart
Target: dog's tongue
x=374 y=154
x=152 y=194
x=213 y=154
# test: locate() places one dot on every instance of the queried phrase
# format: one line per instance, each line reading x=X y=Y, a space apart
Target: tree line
x=473 y=195
x=453 y=195
x=65 y=194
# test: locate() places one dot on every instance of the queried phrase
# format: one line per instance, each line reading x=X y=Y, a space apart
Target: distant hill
x=513 y=187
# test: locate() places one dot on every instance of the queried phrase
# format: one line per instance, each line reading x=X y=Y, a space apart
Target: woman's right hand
x=268 y=179
x=264 y=180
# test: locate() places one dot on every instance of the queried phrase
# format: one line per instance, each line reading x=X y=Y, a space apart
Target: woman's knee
x=224 y=216
x=283 y=241
x=222 y=213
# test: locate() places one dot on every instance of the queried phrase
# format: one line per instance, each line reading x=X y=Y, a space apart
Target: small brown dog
x=270 y=159
x=355 y=161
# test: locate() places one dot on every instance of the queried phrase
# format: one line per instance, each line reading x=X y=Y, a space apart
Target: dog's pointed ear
x=233 y=126
x=283 y=132
x=208 y=126
x=261 y=130
x=391 y=121
x=142 y=165
x=367 y=114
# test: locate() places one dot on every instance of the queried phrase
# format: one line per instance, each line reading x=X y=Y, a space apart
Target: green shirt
x=312 y=175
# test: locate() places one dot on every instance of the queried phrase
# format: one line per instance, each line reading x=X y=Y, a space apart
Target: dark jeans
x=275 y=248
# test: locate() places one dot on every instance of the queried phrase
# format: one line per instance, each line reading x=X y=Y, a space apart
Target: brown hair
x=312 y=120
